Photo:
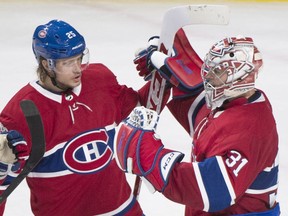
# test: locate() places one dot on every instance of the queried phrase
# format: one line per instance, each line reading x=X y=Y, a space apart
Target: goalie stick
x=35 y=125
x=174 y=19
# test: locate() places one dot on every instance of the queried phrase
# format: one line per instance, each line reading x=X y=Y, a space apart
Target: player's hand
x=139 y=150
x=13 y=153
x=143 y=61
x=18 y=145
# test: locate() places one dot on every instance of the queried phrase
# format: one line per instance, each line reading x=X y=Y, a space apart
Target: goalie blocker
x=182 y=69
x=139 y=150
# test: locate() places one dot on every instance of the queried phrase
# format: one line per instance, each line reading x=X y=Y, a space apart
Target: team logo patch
x=88 y=152
x=42 y=34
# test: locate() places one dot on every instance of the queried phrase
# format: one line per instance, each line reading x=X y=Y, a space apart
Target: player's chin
x=75 y=83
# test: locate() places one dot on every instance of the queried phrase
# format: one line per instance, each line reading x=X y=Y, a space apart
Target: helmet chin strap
x=56 y=83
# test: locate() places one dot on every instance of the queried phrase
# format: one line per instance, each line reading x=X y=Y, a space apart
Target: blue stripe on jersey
x=214 y=183
x=265 y=179
x=52 y=163
x=273 y=212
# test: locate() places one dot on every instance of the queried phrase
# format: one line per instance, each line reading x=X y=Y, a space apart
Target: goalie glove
x=140 y=151
x=182 y=70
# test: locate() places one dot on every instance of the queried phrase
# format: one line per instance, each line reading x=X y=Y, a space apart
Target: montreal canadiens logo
x=88 y=152
x=42 y=34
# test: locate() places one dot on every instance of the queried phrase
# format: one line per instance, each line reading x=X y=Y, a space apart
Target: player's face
x=68 y=71
x=217 y=76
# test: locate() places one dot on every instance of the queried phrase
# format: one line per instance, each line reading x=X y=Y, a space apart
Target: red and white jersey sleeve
x=234 y=168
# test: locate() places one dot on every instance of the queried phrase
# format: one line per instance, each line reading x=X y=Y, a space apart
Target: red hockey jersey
x=78 y=174
x=234 y=167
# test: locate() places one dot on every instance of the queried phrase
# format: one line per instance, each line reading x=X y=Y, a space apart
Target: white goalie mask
x=230 y=69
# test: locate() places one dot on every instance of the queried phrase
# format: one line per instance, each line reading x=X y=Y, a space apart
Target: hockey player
x=234 y=167
x=80 y=105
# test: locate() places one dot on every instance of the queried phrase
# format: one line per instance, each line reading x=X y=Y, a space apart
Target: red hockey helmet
x=230 y=69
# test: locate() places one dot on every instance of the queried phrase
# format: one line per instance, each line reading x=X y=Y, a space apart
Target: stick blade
x=178 y=17
x=205 y=14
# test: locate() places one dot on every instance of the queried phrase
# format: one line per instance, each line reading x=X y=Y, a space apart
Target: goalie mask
x=230 y=69
x=58 y=40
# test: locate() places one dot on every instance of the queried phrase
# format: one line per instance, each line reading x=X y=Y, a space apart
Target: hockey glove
x=140 y=151
x=181 y=70
x=18 y=145
x=13 y=152
x=142 y=58
x=6 y=168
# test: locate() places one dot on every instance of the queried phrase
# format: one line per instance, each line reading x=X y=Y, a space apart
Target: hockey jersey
x=234 y=167
x=78 y=174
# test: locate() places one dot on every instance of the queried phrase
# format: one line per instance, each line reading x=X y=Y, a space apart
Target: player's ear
x=44 y=63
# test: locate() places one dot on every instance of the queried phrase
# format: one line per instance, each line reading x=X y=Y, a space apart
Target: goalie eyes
x=217 y=71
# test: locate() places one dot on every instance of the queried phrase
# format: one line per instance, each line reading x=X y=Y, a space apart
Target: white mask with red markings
x=230 y=69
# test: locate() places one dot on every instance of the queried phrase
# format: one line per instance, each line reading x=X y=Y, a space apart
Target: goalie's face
x=215 y=77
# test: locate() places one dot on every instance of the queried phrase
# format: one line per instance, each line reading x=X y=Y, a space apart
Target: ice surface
x=113 y=31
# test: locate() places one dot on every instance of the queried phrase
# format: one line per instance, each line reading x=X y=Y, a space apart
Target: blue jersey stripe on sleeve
x=266 y=179
x=215 y=185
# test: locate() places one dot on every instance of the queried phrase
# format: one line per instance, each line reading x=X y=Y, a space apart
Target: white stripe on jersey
x=267 y=170
x=191 y=111
x=201 y=187
x=251 y=191
x=3 y=187
x=120 y=208
x=49 y=174
x=227 y=179
x=205 y=198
